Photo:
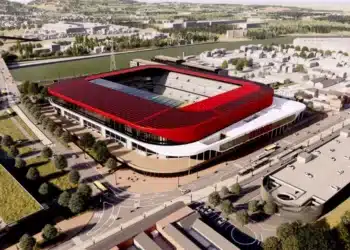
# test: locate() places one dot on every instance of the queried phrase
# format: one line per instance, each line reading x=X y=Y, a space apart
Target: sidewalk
x=32 y=126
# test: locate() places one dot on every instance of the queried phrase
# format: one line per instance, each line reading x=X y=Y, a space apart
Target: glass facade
x=132 y=132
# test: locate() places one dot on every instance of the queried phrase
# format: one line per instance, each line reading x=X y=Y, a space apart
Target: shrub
x=13 y=152
x=27 y=242
x=270 y=208
x=77 y=203
x=226 y=207
x=49 y=232
x=85 y=190
x=74 y=176
x=63 y=199
x=66 y=137
x=214 y=199
x=32 y=174
x=20 y=163
x=87 y=140
x=236 y=189
x=242 y=217
x=46 y=152
x=44 y=189
x=111 y=163
x=60 y=162
x=253 y=206
x=7 y=141
x=58 y=132
x=224 y=192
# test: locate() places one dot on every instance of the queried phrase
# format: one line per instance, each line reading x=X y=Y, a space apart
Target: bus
x=271 y=147
x=100 y=186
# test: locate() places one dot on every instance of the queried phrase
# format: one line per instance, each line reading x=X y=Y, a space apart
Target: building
x=161 y=112
x=324 y=43
x=316 y=181
x=174 y=227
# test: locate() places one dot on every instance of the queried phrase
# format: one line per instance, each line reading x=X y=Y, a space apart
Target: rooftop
x=321 y=178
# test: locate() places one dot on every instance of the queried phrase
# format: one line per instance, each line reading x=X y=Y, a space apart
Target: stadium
x=173 y=114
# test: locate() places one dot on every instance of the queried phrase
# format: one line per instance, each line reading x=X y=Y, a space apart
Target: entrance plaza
x=138 y=182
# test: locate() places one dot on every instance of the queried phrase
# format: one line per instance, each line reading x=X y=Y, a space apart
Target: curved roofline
x=183 y=125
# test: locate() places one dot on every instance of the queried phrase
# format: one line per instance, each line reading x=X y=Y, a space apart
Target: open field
x=46 y=168
x=26 y=128
x=333 y=217
x=7 y=127
x=102 y=64
x=15 y=202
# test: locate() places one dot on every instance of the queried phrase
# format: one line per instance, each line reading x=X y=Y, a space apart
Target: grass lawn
x=46 y=168
x=15 y=202
x=22 y=150
x=102 y=64
x=333 y=217
x=26 y=128
x=7 y=127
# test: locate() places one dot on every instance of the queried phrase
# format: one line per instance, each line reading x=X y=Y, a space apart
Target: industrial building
x=161 y=112
x=174 y=227
x=305 y=188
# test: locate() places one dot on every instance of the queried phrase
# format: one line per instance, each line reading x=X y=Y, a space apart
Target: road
x=121 y=205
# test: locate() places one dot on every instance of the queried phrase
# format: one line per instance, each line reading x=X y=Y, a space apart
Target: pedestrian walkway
x=41 y=136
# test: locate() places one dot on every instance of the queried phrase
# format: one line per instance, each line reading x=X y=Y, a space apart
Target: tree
x=272 y=243
x=328 y=53
x=236 y=189
x=270 y=208
x=13 y=152
x=249 y=63
x=74 y=176
x=20 y=163
x=58 y=132
x=51 y=126
x=60 y=162
x=87 y=140
x=44 y=92
x=253 y=206
x=63 y=199
x=286 y=229
x=33 y=88
x=214 y=198
x=303 y=54
x=297 y=48
x=49 y=232
x=111 y=164
x=224 y=65
x=291 y=243
x=44 y=189
x=344 y=235
x=27 y=242
x=45 y=122
x=77 y=203
x=299 y=68
x=66 y=137
x=85 y=190
x=7 y=141
x=224 y=192
x=46 y=152
x=32 y=174
x=102 y=153
x=242 y=217
x=37 y=115
x=226 y=207
x=25 y=87
x=304 y=48
x=346 y=218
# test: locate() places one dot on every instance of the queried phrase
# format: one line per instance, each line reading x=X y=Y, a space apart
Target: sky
x=280 y=2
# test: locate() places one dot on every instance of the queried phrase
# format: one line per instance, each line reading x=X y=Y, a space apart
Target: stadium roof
x=183 y=125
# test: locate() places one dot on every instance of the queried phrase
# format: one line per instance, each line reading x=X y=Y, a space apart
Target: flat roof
x=185 y=124
x=179 y=238
x=214 y=237
x=145 y=242
x=135 y=229
x=319 y=178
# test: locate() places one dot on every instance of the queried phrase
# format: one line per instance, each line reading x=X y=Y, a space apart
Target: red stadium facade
x=180 y=125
